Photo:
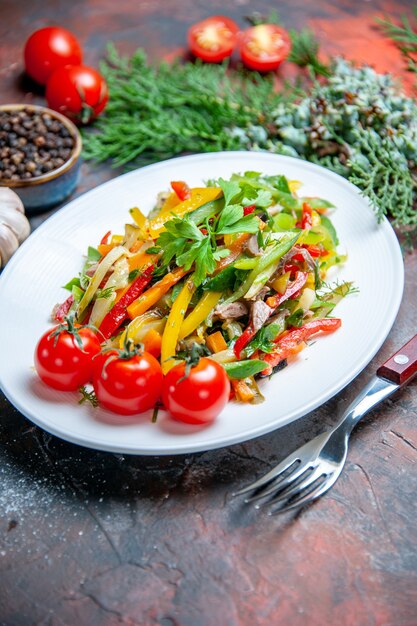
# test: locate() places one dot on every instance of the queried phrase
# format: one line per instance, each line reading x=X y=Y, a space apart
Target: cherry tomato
x=60 y=361
x=199 y=398
x=49 y=48
x=264 y=47
x=127 y=385
x=77 y=91
x=213 y=39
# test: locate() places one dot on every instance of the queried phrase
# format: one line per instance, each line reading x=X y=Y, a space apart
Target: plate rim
x=232 y=439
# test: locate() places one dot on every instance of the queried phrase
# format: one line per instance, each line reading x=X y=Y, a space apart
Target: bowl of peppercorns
x=39 y=154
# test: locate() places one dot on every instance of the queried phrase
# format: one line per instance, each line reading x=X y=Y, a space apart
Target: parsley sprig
x=190 y=245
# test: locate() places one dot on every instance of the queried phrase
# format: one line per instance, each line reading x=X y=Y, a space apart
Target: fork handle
x=402 y=366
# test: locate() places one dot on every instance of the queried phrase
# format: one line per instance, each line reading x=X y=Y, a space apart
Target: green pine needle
x=304 y=51
x=404 y=36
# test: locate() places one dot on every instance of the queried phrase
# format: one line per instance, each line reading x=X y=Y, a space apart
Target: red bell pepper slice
x=285 y=344
x=247 y=210
x=243 y=340
x=105 y=239
x=291 y=291
x=117 y=315
x=63 y=309
x=292 y=268
x=181 y=189
x=306 y=217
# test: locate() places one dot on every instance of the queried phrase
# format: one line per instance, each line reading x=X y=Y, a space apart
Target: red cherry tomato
x=49 y=48
x=59 y=360
x=199 y=398
x=213 y=39
x=264 y=47
x=127 y=385
x=77 y=91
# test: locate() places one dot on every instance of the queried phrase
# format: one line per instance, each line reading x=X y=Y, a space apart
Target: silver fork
x=310 y=471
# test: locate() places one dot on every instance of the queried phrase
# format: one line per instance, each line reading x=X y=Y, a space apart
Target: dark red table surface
x=93 y=538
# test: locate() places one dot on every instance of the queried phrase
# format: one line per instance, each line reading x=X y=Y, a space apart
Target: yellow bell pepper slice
x=315 y=219
x=280 y=284
x=138 y=217
x=170 y=203
x=173 y=325
x=199 y=314
x=294 y=185
x=199 y=196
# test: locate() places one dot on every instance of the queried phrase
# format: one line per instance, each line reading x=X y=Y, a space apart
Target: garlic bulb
x=14 y=226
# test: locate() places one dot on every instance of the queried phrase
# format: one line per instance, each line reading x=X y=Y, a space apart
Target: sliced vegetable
x=155 y=293
x=152 y=342
x=242 y=390
x=118 y=313
x=199 y=196
x=215 y=342
x=293 y=287
x=98 y=276
x=272 y=254
x=286 y=344
x=244 y=369
x=173 y=325
x=181 y=189
x=141 y=325
x=199 y=313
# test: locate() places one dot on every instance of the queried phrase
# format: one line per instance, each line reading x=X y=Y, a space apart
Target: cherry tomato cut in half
x=49 y=48
x=264 y=47
x=196 y=398
x=213 y=39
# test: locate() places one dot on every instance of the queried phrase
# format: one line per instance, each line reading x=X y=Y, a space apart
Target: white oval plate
x=31 y=285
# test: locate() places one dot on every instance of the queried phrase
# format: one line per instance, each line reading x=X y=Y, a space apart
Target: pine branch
x=304 y=51
x=404 y=36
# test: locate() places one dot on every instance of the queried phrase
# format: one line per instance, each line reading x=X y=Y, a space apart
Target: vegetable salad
x=233 y=271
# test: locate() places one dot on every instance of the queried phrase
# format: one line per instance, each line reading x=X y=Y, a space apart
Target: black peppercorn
x=31 y=144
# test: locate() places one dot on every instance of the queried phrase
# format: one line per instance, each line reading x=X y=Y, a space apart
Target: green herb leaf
x=93 y=255
x=183 y=228
x=132 y=275
x=295 y=319
x=224 y=280
x=229 y=216
x=279 y=182
x=248 y=224
x=75 y=282
x=327 y=223
x=88 y=396
x=230 y=189
x=221 y=253
x=263 y=339
x=105 y=294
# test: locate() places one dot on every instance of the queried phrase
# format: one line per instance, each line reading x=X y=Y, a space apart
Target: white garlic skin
x=14 y=225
